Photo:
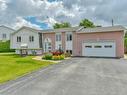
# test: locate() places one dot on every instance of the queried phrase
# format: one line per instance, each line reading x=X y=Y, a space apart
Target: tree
x=125 y=42
x=87 y=23
x=61 y=25
x=125 y=34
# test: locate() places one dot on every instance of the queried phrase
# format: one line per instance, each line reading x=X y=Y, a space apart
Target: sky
x=43 y=14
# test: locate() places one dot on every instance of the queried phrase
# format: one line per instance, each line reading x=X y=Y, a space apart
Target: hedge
x=5 y=47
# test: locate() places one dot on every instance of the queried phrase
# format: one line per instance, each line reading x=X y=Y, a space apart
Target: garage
x=99 y=49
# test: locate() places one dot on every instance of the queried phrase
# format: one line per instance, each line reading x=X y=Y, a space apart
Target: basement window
x=69 y=51
x=97 y=46
x=88 y=46
x=108 y=46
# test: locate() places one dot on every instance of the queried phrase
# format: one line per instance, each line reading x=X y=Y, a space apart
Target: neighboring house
x=5 y=33
x=79 y=41
x=27 y=40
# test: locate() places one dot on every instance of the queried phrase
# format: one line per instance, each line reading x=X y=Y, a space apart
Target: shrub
x=43 y=57
x=125 y=42
x=58 y=57
x=48 y=56
x=55 y=57
x=5 y=47
x=58 y=52
x=125 y=45
x=62 y=57
x=67 y=54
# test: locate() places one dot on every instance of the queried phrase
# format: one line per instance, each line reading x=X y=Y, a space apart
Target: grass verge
x=13 y=66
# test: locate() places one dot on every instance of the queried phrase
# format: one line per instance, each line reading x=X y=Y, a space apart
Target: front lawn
x=13 y=66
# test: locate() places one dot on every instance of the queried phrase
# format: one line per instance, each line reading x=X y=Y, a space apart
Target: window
x=88 y=46
x=69 y=37
x=97 y=46
x=18 y=39
x=31 y=38
x=4 y=36
x=58 y=37
x=60 y=47
x=69 y=51
x=108 y=46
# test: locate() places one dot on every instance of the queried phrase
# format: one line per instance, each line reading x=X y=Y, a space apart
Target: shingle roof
x=77 y=29
x=71 y=29
x=102 y=29
x=7 y=27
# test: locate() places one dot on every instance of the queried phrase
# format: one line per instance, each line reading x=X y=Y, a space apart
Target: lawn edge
x=27 y=74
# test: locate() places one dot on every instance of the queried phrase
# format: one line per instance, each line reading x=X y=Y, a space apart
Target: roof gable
x=3 y=26
x=27 y=28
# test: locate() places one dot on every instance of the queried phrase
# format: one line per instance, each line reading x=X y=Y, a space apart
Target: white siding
x=25 y=33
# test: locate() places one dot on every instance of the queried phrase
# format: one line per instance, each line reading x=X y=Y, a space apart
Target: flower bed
x=57 y=55
x=50 y=56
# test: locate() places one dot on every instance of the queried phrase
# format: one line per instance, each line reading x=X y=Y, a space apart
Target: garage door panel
x=99 y=49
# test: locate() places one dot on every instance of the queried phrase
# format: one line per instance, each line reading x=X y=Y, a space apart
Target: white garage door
x=99 y=49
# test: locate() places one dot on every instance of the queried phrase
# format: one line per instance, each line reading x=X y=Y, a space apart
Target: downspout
x=40 y=42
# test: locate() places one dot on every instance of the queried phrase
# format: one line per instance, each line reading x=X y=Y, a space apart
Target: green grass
x=13 y=66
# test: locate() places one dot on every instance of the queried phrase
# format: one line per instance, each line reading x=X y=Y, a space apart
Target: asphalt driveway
x=77 y=76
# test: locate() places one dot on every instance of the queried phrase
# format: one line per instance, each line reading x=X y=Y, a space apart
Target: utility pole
x=112 y=22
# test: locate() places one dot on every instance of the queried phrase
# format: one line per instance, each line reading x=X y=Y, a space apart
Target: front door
x=47 y=47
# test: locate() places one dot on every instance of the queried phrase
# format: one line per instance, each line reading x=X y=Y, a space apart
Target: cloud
x=99 y=11
x=3 y=5
x=23 y=8
x=50 y=22
x=21 y=22
x=112 y=10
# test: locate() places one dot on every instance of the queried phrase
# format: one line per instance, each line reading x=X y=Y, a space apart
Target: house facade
x=79 y=41
x=59 y=39
x=5 y=33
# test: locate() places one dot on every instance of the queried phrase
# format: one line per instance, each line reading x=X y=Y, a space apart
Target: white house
x=5 y=33
x=27 y=40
